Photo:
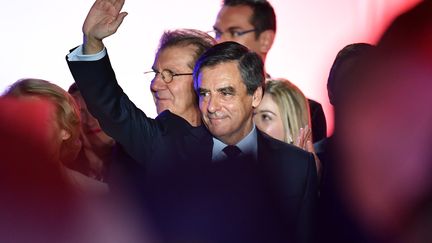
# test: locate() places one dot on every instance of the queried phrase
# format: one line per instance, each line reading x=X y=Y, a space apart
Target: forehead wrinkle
x=223 y=79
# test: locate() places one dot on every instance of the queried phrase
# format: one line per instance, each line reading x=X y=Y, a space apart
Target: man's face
x=235 y=19
x=178 y=96
x=226 y=107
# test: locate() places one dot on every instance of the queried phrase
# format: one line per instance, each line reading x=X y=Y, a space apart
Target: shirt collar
x=248 y=145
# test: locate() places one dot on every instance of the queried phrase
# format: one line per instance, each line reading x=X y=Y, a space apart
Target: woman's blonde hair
x=67 y=111
x=293 y=106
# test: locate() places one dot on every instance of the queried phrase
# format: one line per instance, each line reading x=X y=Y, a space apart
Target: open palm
x=103 y=19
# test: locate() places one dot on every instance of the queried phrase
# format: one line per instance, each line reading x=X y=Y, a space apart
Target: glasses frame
x=167 y=75
x=234 y=33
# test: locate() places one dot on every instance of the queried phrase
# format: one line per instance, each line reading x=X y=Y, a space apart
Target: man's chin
x=216 y=130
x=162 y=105
x=161 y=108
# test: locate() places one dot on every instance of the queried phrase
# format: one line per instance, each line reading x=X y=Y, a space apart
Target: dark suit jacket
x=318 y=120
x=187 y=196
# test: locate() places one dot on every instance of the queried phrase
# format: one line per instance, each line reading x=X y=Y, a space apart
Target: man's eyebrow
x=235 y=28
x=229 y=89
x=202 y=90
x=232 y=28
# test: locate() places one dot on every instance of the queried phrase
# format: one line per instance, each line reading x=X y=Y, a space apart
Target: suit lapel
x=197 y=144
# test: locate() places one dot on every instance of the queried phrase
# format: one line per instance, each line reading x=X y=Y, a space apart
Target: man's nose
x=213 y=104
x=157 y=82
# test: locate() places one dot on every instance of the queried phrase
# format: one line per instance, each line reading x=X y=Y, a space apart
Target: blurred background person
x=95 y=155
x=65 y=127
x=383 y=135
x=34 y=191
x=41 y=200
x=334 y=211
x=284 y=114
x=341 y=71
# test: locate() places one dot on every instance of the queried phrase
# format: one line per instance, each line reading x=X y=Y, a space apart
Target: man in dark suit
x=253 y=24
x=191 y=191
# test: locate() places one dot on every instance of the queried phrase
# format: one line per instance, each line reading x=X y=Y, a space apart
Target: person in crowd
x=383 y=132
x=95 y=155
x=343 y=67
x=65 y=128
x=189 y=194
x=40 y=199
x=381 y=159
x=346 y=60
x=253 y=24
x=171 y=87
x=35 y=193
x=65 y=119
x=333 y=211
x=284 y=114
x=229 y=81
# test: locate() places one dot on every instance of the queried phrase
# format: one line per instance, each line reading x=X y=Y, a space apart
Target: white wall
x=36 y=36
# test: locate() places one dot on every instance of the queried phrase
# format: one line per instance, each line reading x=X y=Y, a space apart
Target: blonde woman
x=284 y=114
x=63 y=127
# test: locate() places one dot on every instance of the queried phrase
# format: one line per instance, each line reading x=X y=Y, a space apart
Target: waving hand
x=103 y=20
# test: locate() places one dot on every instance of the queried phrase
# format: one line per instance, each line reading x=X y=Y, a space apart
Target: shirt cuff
x=77 y=55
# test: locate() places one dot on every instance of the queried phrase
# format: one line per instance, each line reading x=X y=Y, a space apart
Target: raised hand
x=103 y=20
x=304 y=141
x=305 y=134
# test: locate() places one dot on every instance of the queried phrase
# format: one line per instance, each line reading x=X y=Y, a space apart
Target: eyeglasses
x=217 y=34
x=167 y=75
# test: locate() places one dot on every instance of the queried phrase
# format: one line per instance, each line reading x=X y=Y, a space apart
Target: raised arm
x=103 y=20
x=96 y=80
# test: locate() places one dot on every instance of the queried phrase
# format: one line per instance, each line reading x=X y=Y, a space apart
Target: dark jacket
x=187 y=196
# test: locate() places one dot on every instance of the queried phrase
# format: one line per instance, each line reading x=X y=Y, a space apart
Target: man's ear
x=257 y=97
x=266 y=39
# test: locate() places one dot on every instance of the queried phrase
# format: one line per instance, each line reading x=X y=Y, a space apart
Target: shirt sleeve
x=77 y=55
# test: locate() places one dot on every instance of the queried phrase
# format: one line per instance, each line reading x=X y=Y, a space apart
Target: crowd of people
x=234 y=155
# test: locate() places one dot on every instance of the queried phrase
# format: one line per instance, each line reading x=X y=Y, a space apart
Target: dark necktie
x=232 y=151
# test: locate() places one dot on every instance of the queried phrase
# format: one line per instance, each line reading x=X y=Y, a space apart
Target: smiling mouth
x=216 y=119
x=161 y=98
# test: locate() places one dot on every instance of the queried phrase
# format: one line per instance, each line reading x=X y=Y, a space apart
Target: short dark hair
x=250 y=64
x=185 y=37
x=263 y=16
x=350 y=53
